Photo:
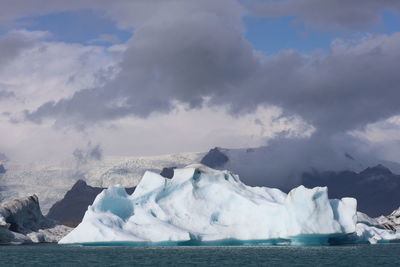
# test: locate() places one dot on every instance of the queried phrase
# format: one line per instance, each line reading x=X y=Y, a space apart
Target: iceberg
x=377 y=230
x=200 y=205
x=21 y=221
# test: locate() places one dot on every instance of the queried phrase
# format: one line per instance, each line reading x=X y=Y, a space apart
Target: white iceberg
x=376 y=230
x=201 y=204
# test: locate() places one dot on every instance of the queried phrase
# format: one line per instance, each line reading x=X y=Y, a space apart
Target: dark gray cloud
x=350 y=14
x=352 y=85
x=90 y=153
x=199 y=52
x=6 y=94
x=185 y=59
x=13 y=43
x=283 y=161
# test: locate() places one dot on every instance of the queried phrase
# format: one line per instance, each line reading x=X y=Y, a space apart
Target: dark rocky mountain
x=2 y=169
x=375 y=188
x=214 y=158
x=167 y=172
x=72 y=207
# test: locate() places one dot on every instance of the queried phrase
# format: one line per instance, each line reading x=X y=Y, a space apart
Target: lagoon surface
x=58 y=255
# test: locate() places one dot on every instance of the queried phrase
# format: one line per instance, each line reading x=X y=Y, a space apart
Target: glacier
x=200 y=205
x=50 y=181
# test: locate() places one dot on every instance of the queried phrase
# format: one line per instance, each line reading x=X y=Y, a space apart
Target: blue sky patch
x=271 y=35
x=83 y=26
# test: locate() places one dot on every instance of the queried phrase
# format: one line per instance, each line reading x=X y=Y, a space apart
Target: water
x=57 y=255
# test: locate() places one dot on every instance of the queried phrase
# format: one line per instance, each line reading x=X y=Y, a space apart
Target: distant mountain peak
x=214 y=158
x=168 y=172
x=376 y=170
x=80 y=183
x=72 y=207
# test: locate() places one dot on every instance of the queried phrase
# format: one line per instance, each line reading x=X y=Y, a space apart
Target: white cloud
x=50 y=71
x=186 y=130
x=182 y=130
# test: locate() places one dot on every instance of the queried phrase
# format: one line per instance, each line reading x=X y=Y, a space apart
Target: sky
x=135 y=77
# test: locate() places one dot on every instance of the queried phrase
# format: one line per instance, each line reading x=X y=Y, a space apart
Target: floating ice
x=201 y=204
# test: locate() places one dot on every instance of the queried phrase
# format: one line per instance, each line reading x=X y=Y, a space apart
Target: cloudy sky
x=145 y=77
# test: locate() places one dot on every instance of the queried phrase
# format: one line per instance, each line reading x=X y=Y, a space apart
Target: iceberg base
x=302 y=240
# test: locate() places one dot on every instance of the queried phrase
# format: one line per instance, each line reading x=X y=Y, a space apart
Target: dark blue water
x=57 y=255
